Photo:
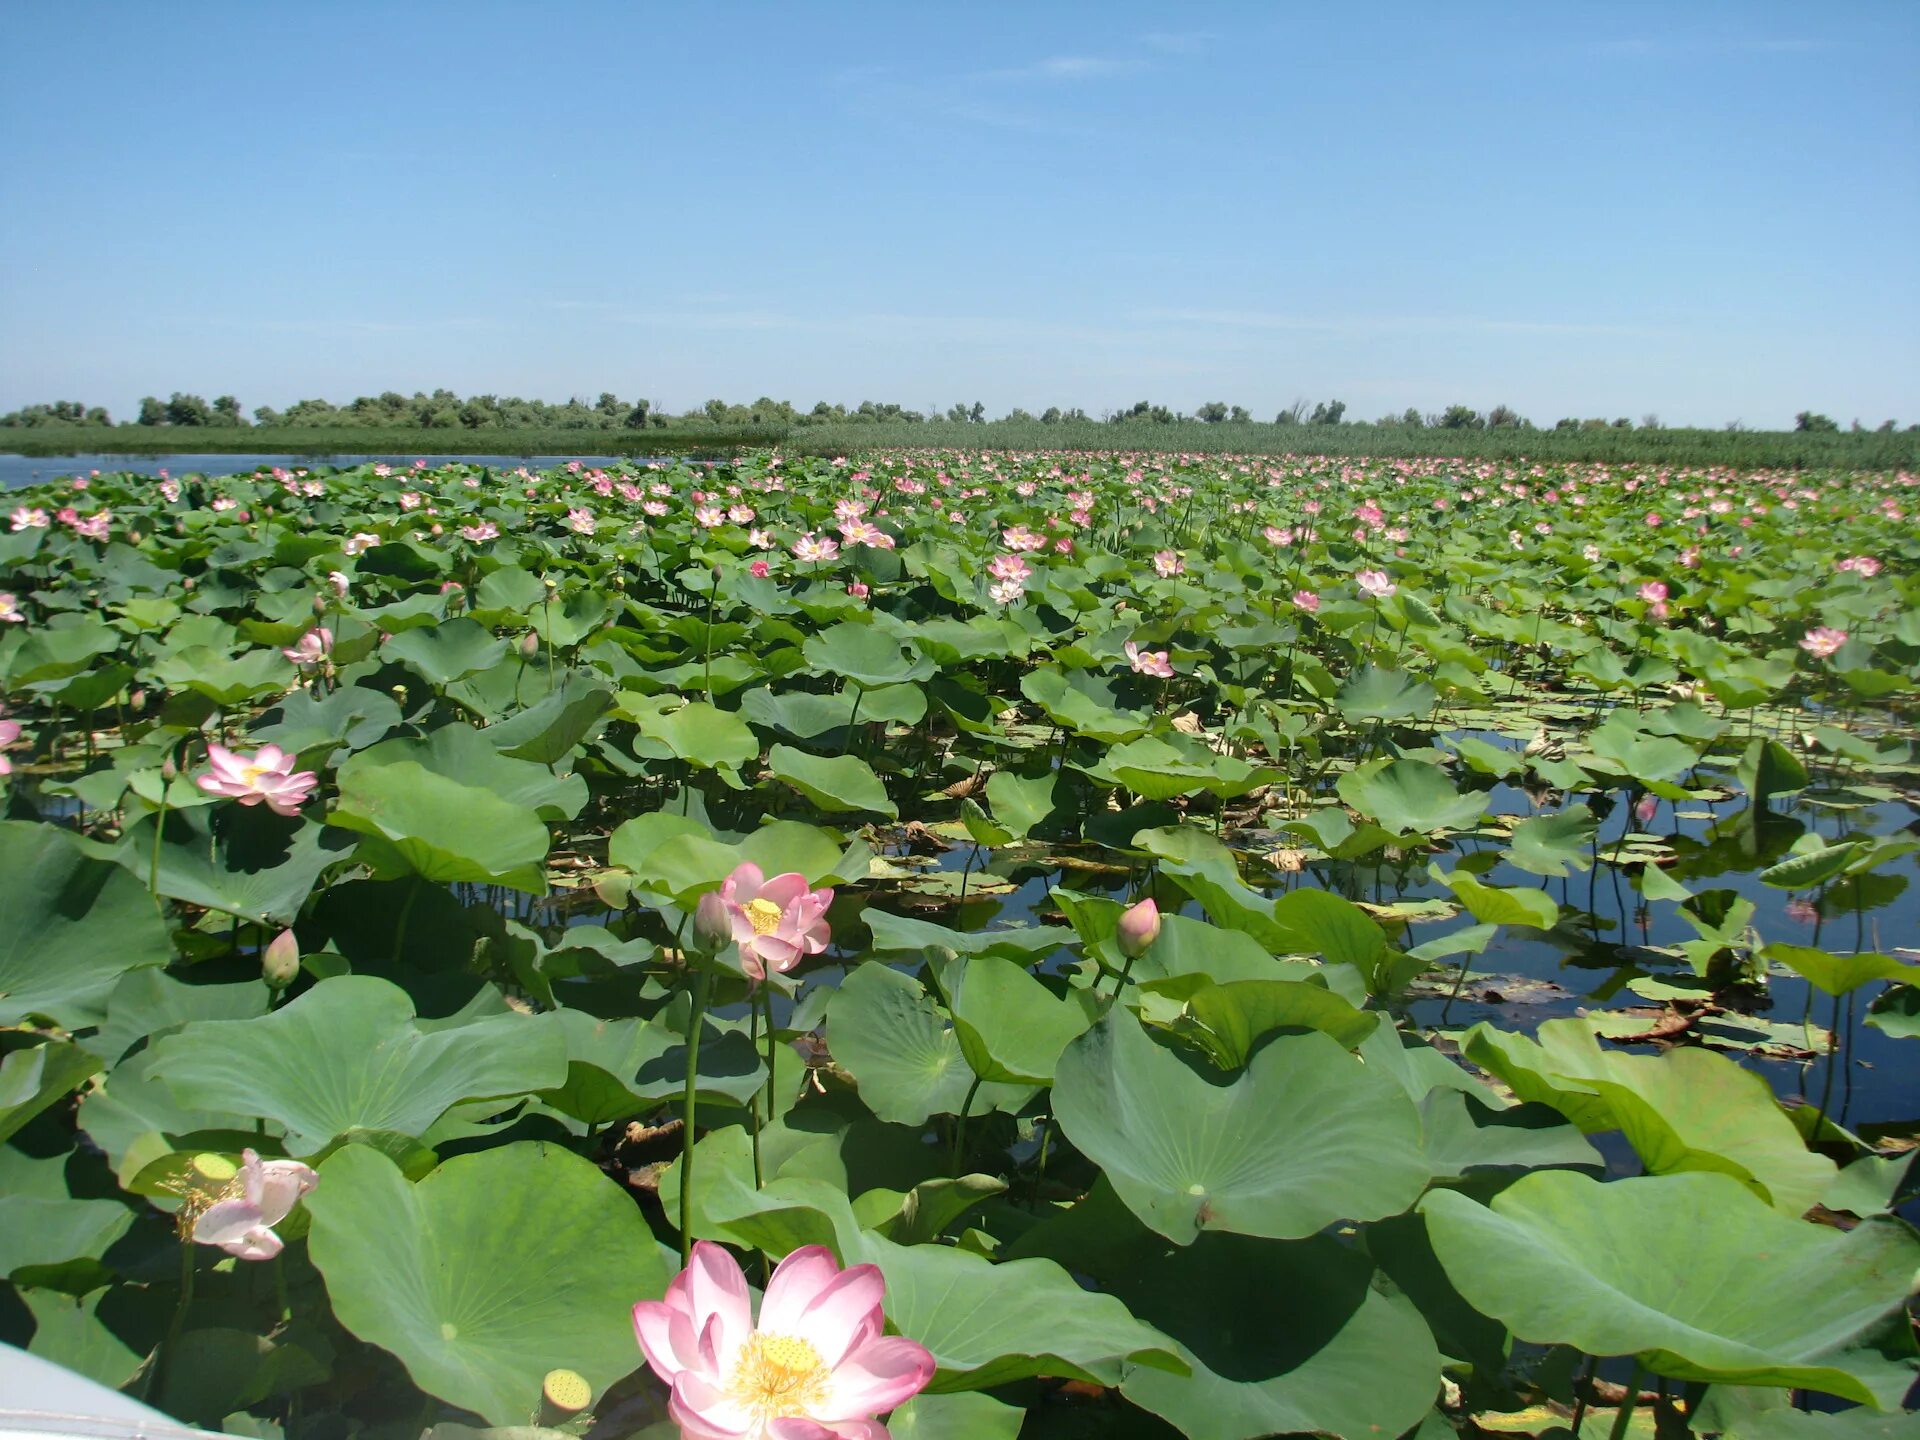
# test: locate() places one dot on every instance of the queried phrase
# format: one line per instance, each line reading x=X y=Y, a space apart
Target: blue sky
x=1703 y=211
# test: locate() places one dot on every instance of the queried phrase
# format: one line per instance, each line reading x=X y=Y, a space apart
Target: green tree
x=1460 y=417
x=226 y=411
x=1213 y=412
x=152 y=411
x=1327 y=412
x=187 y=410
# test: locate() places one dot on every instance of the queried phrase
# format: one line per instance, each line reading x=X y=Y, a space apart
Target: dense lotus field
x=1039 y=887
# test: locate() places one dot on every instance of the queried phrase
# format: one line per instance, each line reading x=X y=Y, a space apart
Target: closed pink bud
x=1139 y=928
x=529 y=645
x=712 y=924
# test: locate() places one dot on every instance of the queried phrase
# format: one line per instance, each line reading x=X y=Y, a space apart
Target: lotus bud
x=529 y=645
x=563 y=1394
x=137 y=702
x=712 y=925
x=319 y=604
x=1139 y=928
x=280 y=962
x=169 y=770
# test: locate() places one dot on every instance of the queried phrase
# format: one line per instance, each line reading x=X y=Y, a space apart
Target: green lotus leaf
x=1232 y=1018
x=1767 y=768
x=73 y=926
x=547 y=731
x=349 y=1055
x=1021 y=802
x=1651 y=759
x=37 y=1076
x=1304 y=1136
x=1812 y=865
x=1011 y=1028
x=620 y=1068
x=904 y=935
x=351 y=715
x=439 y=829
x=239 y=860
x=443 y=653
x=496 y=1268
x=1691 y=1274
x=147 y=1002
x=473 y=758
x=1494 y=905
x=1896 y=1010
x=1554 y=844
x=898 y=1046
x=1076 y=711
x=1409 y=797
x=863 y=655
x=701 y=735
x=1688 y=1109
x=1376 y=694
x=837 y=783
x=962 y=1415
x=1837 y=974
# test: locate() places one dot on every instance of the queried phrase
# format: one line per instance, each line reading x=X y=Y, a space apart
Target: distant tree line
x=444 y=410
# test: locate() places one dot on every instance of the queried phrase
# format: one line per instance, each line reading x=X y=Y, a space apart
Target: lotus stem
x=689 y=1108
x=1624 y=1415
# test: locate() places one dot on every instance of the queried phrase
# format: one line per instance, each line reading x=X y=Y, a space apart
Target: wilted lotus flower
x=816 y=1366
x=241 y=1221
x=777 y=922
x=1139 y=928
x=266 y=776
x=312 y=649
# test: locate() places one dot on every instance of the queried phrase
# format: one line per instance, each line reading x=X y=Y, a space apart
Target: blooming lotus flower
x=480 y=533
x=581 y=521
x=266 y=776
x=1822 y=641
x=759 y=569
x=357 y=542
x=1653 y=592
x=1006 y=592
x=241 y=1222
x=1306 y=600
x=1375 y=583
x=1167 y=564
x=29 y=517
x=1149 y=662
x=10 y=609
x=1009 y=567
x=777 y=922
x=815 y=548
x=312 y=649
x=9 y=732
x=815 y=1366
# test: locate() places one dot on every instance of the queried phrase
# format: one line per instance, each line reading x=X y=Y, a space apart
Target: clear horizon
x=1703 y=213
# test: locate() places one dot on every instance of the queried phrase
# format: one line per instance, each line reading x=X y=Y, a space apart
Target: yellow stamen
x=778 y=1376
x=763 y=915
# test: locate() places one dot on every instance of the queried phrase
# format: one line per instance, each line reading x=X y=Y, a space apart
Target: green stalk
x=689 y=1107
x=1625 y=1413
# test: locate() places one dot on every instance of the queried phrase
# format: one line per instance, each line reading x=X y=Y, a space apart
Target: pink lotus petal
x=878 y=1376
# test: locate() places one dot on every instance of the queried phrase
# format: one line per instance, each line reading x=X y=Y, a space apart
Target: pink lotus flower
x=1822 y=641
x=581 y=521
x=1139 y=927
x=1149 y=662
x=1167 y=564
x=759 y=569
x=480 y=533
x=1653 y=592
x=816 y=1366
x=29 y=517
x=815 y=548
x=1008 y=567
x=1375 y=583
x=312 y=649
x=10 y=609
x=1864 y=566
x=776 y=923
x=9 y=732
x=259 y=1198
x=1306 y=600
x=1005 y=592
x=266 y=776
x=858 y=590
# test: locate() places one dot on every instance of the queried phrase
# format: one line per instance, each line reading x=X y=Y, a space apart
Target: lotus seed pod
x=563 y=1394
x=399 y=693
x=529 y=645
x=549 y=582
x=1139 y=928
x=280 y=962
x=214 y=1170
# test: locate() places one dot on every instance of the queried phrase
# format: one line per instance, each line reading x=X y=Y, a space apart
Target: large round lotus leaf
x=43 y=1227
x=862 y=654
x=1076 y=711
x=1304 y=1136
x=1692 y=1274
x=1650 y=759
x=835 y=783
x=1376 y=694
x=495 y=1269
x=73 y=926
x=440 y=829
x=441 y=654
x=961 y=1415
x=149 y=1001
x=349 y=1055
x=1551 y=844
x=1688 y=1109
x=36 y=1076
x=1496 y=905
x=239 y=860
x=619 y=1068
x=986 y=1324
x=1409 y=797
x=890 y=1036
x=1230 y=1019
x=472 y=757
x=1011 y=1027
x=702 y=735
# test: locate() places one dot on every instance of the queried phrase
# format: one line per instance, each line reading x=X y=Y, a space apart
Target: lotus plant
x=817 y=1364
x=776 y=923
